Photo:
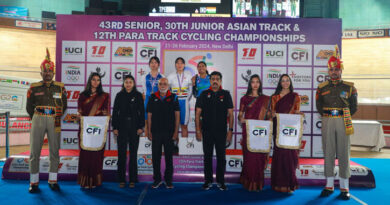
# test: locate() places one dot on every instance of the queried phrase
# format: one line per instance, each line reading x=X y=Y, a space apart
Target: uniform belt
x=333 y=113
x=43 y=110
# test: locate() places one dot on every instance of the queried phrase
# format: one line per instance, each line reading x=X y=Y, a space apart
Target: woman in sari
x=93 y=101
x=284 y=161
x=253 y=105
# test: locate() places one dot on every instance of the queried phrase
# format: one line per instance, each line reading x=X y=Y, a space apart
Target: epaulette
x=58 y=84
x=37 y=84
x=348 y=83
x=323 y=84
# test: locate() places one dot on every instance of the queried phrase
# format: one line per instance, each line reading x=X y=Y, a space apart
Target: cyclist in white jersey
x=181 y=85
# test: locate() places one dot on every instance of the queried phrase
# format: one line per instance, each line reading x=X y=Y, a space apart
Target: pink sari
x=91 y=162
x=284 y=161
x=252 y=174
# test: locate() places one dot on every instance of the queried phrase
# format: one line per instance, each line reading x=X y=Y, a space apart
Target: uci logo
x=274 y=53
x=290 y=131
x=300 y=54
x=148 y=51
x=259 y=131
x=73 y=50
x=93 y=129
x=69 y=140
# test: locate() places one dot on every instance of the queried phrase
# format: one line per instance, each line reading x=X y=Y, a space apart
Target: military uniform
x=46 y=103
x=336 y=102
x=334 y=99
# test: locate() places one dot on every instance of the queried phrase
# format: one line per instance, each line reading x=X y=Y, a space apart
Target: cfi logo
x=94 y=129
x=324 y=54
x=259 y=131
x=290 y=131
x=249 y=53
x=121 y=72
x=148 y=51
x=322 y=76
x=274 y=54
x=235 y=162
x=304 y=99
x=124 y=52
x=98 y=51
x=300 y=54
x=73 y=50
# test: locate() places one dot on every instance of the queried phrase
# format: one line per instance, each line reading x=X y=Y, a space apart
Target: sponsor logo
x=145 y=160
x=124 y=52
x=7 y=97
x=300 y=78
x=303 y=145
x=72 y=95
x=300 y=54
x=274 y=54
x=121 y=72
x=148 y=144
x=247 y=75
x=73 y=50
x=141 y=72
x=273 y=76
x=93 y=129
x=324 y=54
x=98 y=51
x=98 y=70
x=70 y=118
x=249 y=53
x=259 y=131
x=290 y=131
x=304 y=99
x=72 y=73
x=148 y=51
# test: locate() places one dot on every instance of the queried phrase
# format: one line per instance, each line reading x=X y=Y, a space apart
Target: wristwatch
x=231 y=129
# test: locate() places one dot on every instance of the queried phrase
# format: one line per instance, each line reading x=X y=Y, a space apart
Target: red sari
x=284 y=161
x=252 y=174
x=91 y=162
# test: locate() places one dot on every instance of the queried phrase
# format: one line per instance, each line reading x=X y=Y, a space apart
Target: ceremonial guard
x=336 y=102
x=46 y=103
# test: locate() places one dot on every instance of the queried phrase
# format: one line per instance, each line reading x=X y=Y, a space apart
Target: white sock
x=34 y=178
x=344 y=183
x=329 y=182
x=52 y=177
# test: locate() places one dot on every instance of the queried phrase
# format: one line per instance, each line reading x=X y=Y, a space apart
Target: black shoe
x=156 y=184
x=54 y=187
x=326 y=193
x=344 y=195
x=169 y=185
x=33 y=188
x=222 y=186
x=207 y=185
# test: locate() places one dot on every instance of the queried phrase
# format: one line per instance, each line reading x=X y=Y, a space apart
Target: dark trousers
x=219 y=141
x=159 y=140
x=127 y=137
